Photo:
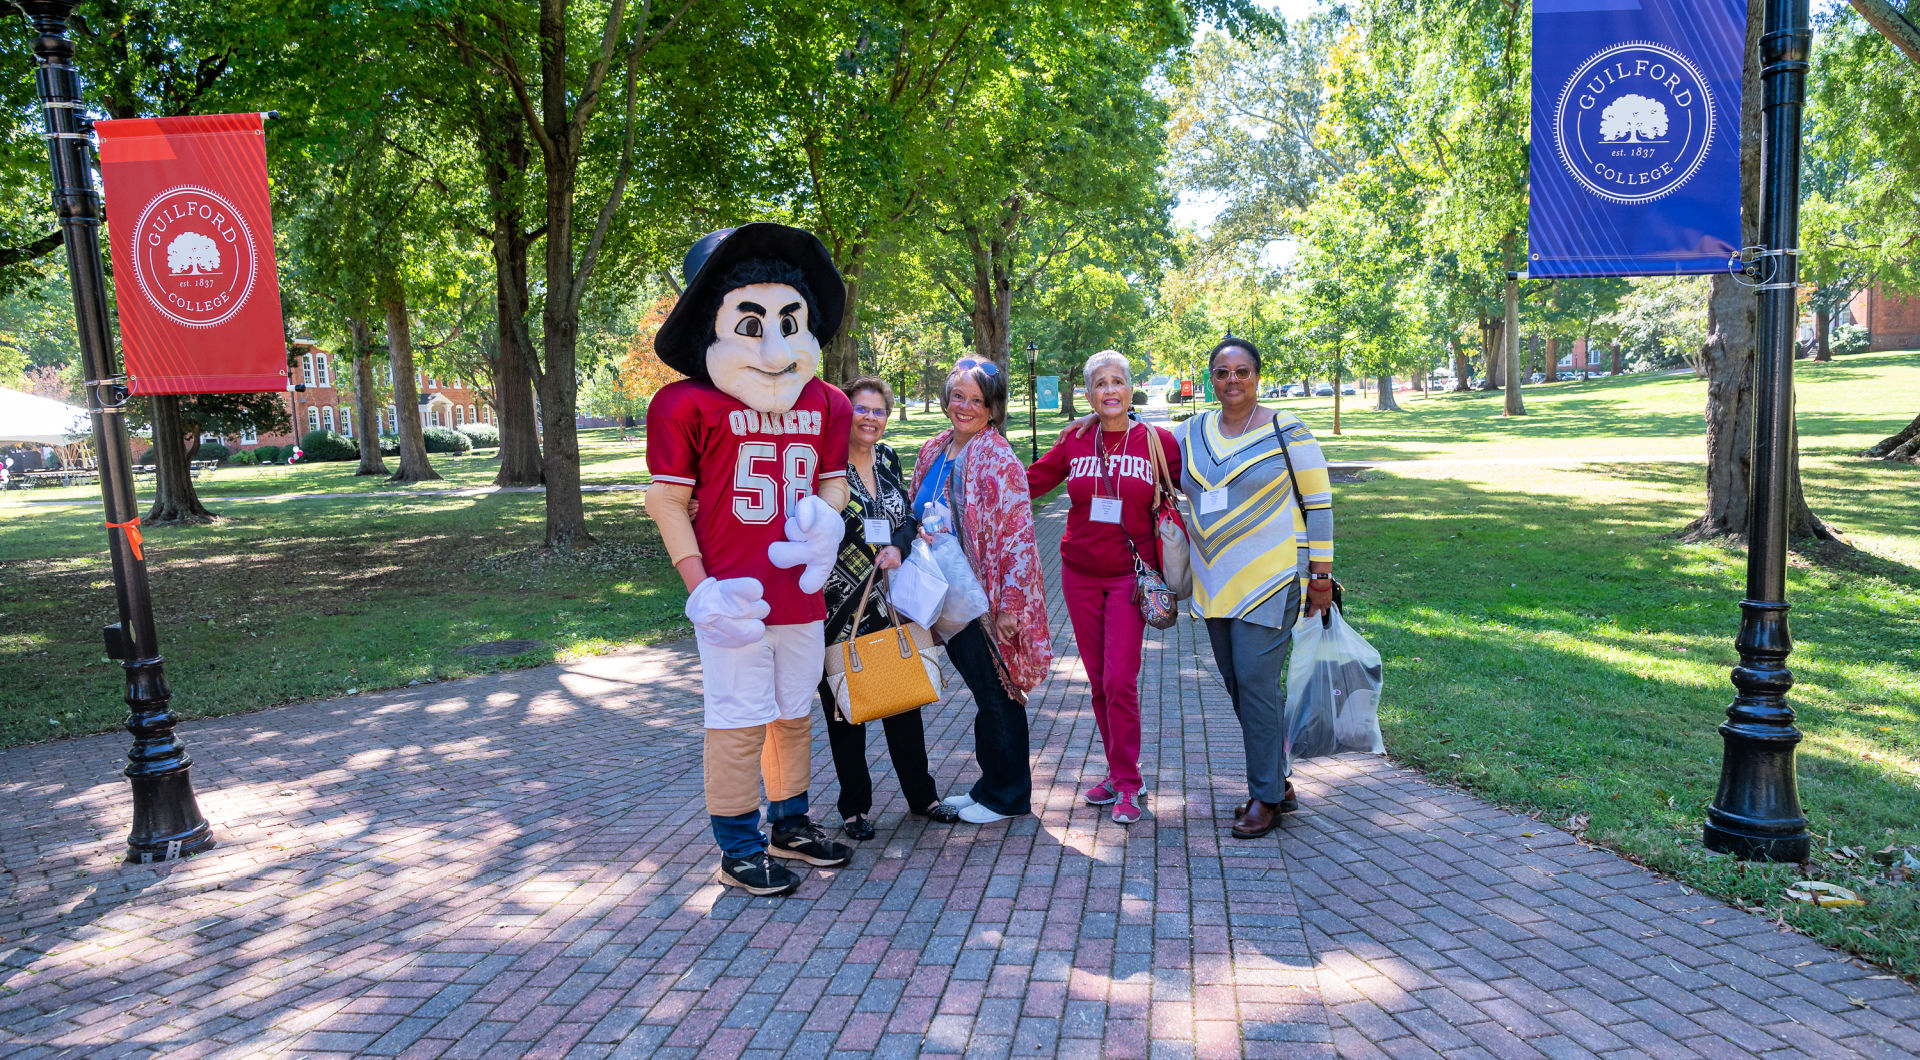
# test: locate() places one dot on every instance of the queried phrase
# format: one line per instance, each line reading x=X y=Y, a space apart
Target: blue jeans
x=741 y=836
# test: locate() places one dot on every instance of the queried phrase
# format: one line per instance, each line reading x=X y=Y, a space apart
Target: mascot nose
x=775 y=351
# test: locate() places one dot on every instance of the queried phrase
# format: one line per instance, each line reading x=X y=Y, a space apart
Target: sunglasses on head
x=965 y=363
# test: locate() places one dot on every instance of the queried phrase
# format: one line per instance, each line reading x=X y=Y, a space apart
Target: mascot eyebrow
x=750 y=325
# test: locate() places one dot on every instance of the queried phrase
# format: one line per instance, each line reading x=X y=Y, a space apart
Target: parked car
x=1323 y=390
x=1272 y=392
x=1348 y=390
x=1537 y=377
x=1296 y=390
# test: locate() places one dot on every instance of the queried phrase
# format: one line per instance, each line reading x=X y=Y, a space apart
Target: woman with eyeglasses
x=879 y=530
x=1262 y=530
x=967 y=480
x=1112 y=484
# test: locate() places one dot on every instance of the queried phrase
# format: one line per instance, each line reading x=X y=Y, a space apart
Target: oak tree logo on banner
x=194 y=256
x=1634 y=122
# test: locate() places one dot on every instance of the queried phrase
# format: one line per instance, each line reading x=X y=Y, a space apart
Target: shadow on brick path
x=519 y=865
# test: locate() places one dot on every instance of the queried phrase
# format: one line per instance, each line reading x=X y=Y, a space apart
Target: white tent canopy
x=27 y=418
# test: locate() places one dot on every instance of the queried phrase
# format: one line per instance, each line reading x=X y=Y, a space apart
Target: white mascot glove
x=813 y=540
x=727 y=614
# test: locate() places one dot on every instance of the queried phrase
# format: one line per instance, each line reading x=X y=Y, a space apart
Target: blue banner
x=1635 y=157
x=1048 y=387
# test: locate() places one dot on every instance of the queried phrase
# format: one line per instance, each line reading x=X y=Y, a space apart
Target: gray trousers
x=1253 y=665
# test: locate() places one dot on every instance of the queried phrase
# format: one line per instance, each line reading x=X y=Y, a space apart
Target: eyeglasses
x=1243 y=374
x=958 y=402
x=870 y=410
x=965 y=363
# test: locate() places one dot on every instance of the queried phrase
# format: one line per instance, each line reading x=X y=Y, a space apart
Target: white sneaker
x=974 y=813
x=959 y=802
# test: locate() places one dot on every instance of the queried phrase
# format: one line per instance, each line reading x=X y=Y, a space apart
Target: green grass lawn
x=1548 y=644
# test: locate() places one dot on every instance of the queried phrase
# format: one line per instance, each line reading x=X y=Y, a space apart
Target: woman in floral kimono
x=970 y=471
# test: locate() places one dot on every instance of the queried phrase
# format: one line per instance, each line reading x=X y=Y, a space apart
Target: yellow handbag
x=885 y=673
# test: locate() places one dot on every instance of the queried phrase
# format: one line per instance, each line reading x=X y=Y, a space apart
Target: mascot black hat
x=683 y=339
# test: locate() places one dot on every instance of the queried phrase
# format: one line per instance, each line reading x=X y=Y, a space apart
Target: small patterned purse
x=1157 y=603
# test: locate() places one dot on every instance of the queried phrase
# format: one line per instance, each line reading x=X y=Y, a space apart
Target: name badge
x=1106 y=510
x=1213 y=501
x=879 y=531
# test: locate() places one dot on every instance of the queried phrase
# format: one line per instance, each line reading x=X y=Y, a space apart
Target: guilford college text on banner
x=1635 y=154
x=192 y=240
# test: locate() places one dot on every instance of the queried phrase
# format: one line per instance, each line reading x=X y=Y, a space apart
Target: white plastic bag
x=917 y=588
x=1333 y=690
x=965 y=599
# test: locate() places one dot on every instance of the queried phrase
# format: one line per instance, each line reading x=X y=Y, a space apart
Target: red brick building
x=327 y=402
x=1892 y=319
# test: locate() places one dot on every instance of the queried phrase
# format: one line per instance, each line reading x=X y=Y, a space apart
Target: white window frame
x=306 y=369
x=346 y=421
x=320 y=363
x=249 y=436
x=326 y=418
x=313 y=417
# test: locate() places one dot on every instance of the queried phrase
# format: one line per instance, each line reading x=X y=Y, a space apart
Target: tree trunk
x=1727 y=357
x=507 y=159
x=1616 y=358
x=1336 y=398
x=414 y=465
x=559 y=396
x=366 y=399
x=1067 y=408
x=1553 y=357
x=1462 y=367
x=1385 y=401
x=1822 y=349
x=174 y=498
x=1496 y=357
x=840 y=360
x=1904 y=447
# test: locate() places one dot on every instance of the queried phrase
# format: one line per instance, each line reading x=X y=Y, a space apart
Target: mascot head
x=760 y=300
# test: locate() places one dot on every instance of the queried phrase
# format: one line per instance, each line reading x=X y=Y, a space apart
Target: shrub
x=483 y=435
x=1183 y=414
x=389 y=445
x=319 y=446
x=447 y=440
x=1139 y=397
x=243 y=456
x=1848 y=339
x=213 y=451
x=267 y=454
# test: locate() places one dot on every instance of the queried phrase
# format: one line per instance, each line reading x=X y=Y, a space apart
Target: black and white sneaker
x=810 y=844
x=757 y=874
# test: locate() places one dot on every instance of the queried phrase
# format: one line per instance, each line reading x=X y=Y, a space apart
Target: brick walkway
x=520 y=865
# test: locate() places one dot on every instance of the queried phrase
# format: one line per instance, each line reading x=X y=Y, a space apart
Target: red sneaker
x=1103 y=793
x=1126 y=808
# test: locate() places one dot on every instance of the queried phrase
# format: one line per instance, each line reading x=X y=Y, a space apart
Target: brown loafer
x=1288 y=803
x=1257 y=819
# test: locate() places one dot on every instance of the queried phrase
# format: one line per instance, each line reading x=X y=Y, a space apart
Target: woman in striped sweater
x=1262 y=530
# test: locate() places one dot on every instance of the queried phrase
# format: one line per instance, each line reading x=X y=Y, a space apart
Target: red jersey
x=748 y=469
x=1099 y=550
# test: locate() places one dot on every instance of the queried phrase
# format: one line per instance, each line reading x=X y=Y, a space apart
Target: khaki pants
x=739 y=761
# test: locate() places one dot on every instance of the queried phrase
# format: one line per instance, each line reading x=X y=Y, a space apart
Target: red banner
x=193 y=268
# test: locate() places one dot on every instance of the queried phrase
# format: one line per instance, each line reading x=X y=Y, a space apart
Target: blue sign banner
x=1048 y=387
x=1635 y=158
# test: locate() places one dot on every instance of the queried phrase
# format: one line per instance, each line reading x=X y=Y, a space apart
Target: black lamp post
x=1756 y=813
x=1033 y=408
x=166 y=819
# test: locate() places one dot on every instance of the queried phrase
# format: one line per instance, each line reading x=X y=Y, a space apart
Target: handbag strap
x=1292 y=479
x=1163 y=484
x=860 y=612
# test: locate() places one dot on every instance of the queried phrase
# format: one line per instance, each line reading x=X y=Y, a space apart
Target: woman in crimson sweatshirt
x=1110 y=481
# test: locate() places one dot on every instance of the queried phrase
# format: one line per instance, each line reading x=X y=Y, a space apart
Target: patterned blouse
x=1249 y=548
x=855 y=561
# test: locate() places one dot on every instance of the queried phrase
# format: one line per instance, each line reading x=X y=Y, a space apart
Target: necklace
x=1244 y=425
x=1106 y=456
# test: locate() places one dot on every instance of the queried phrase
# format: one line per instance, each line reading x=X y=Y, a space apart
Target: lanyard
x=1100 y=460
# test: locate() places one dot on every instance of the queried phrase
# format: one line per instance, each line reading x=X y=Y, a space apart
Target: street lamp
x=1756 y=811
x=1033 y=408
x=166 y=818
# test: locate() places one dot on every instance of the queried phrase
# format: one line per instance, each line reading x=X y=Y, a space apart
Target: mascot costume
x=758 y=445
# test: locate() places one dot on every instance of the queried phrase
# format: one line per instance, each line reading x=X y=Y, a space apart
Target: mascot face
x=764 y=353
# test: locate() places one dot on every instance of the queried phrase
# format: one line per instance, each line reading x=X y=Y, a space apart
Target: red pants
x=1108 y=629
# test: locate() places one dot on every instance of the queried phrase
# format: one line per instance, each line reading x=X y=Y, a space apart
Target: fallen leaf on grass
x=1821 y=893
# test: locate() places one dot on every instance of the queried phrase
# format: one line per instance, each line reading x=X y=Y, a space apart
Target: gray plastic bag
x=1333 y=690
